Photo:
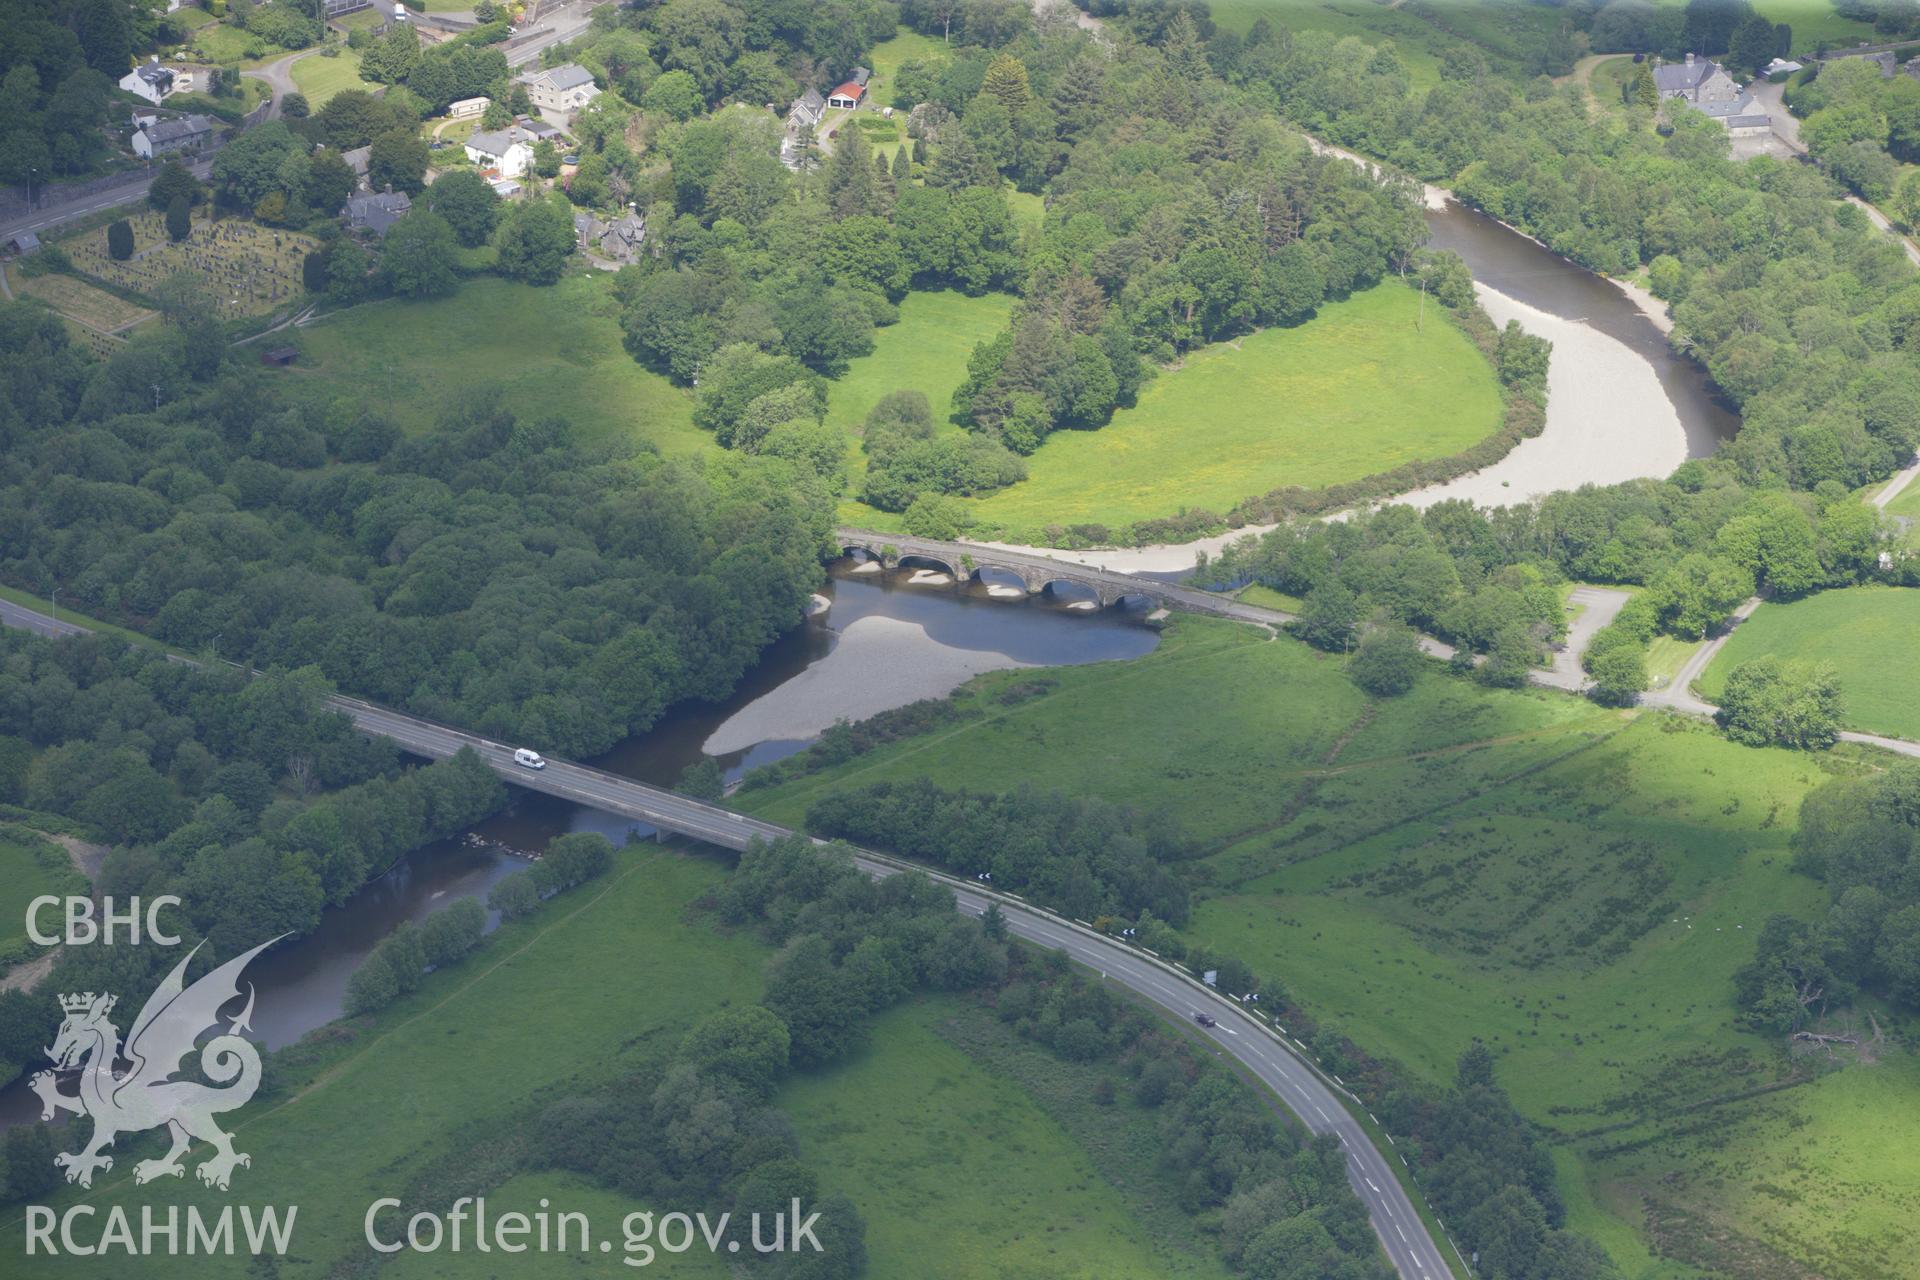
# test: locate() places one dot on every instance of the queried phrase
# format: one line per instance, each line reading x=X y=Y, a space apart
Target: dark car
x=1204 y=1019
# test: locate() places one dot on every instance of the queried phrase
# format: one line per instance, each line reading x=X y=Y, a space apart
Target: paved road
x=1896 y=486
x=1566 y=672
x=566 y=23
x=125 y=193
x=1599 y=605
x=1238 y=1034
x=1786 y=127
x=278 y=77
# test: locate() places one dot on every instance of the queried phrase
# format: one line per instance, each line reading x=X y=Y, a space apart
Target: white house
x=558 y=92
x=467 y=107
x=189 y=133
x=507 y=151
x=152 y=81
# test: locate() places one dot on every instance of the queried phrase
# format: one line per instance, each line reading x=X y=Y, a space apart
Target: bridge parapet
x=1035 y=573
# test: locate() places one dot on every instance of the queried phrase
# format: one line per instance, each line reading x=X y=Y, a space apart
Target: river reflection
x=1503 y=259
x=931 y=632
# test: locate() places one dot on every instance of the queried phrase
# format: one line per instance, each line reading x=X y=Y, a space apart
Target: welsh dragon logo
x=147 y=1096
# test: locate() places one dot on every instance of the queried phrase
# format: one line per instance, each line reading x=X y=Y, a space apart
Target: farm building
x=853 y=91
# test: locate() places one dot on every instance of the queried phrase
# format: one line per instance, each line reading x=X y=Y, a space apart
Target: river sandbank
x=879 y=663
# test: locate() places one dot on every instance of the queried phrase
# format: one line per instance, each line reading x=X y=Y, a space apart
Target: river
x=884 y=641
x=1622 y=404
x=1522 y=269
x=881 y=642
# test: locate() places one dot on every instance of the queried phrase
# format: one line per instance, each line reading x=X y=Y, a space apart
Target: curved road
x=1246 y=1038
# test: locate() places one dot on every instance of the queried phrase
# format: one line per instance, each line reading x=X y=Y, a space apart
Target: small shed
x=279 y=357
x=25 y=243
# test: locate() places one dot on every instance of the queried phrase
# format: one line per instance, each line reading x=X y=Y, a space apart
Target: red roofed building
x=853 y=91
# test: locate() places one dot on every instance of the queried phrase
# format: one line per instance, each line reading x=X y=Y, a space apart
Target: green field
x=1907 y=503
x=1575 y=886
x=906 y=46
x=1374 y=23
x=222 y=44
x=377 y=1105
x=958 y=1171
x=1815 y=22
x=548 y=350
x=920 y=1137
x=320 y=77
x=1355 y=391
x=30 y=865
x=563 y=1192
x=926 y=351
x=1869 y=634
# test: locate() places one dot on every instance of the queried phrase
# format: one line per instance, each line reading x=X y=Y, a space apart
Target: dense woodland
x=487 y=573
x=1166 y=229
x=1081 y=856
x=249 y=800
x=1861 y=837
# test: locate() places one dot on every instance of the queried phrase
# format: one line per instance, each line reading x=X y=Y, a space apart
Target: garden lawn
x=558 y=998
x=1869 y=634
x=889 y=55
x=553 y=350
x=960 y=1173
x=1573 y=885
x=1355 y=391
x=223 y=43
x=320 y=77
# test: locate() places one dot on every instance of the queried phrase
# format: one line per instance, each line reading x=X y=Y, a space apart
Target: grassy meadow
x=1413 y=40
x=378 y=1102
x=962 y=1174
x=1868 y=634
x=1907 y=503
x=925 y=351
x=30 y=865
x=1571 y=884
x=548 y=350
x=960 y=1168
x=1354 y=391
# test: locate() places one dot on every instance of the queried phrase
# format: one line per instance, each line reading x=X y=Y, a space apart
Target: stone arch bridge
x=965 y=560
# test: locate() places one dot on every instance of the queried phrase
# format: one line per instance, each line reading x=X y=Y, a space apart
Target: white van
x=531 y=759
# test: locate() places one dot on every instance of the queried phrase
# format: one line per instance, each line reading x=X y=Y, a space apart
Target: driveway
x=1598 y=606
x=278 y=77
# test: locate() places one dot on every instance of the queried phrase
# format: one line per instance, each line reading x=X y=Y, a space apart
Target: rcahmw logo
x=146 y=1096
